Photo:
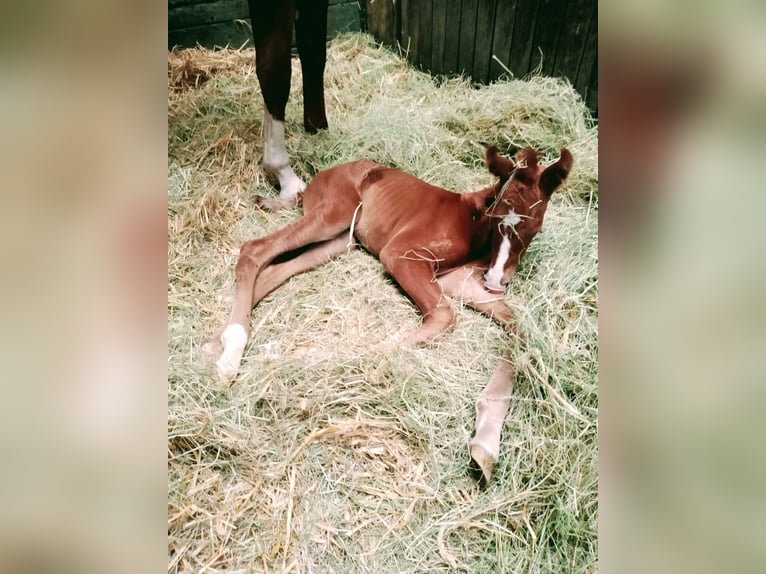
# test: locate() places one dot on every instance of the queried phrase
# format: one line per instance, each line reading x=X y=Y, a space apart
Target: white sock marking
x=233 y=339
x=275 y=158
x=274 y=152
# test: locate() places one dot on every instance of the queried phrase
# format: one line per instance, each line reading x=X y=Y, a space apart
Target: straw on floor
x=326 y=455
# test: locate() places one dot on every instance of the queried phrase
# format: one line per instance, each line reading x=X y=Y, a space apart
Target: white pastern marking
x=495 y=273
x=233 y=339
x=290 y=185
x=274 y=152
x=276 y=160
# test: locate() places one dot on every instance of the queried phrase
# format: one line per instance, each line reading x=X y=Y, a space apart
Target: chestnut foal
x=430 y=240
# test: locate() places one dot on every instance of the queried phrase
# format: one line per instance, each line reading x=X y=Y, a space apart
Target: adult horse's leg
x=491 y=408
x=272 y=32
x=311 y=37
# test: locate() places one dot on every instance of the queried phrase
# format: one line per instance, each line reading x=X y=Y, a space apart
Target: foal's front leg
x=416 y=276
x=491 y=408
x=465 y=284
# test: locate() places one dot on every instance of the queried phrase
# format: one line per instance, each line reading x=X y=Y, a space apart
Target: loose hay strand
x=327 y=455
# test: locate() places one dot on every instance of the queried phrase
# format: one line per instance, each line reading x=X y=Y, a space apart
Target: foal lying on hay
x=432 y=241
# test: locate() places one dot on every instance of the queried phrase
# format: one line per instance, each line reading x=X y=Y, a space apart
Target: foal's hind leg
x=277 y=273
x=324 y=223
x=276 y=204
x=272 y=277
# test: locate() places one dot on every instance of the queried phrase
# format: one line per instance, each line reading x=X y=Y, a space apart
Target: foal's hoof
x=226 y=371
x=484 y=462
x=233 y=340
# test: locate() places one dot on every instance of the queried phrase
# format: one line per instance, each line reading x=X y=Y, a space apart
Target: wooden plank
x=449 y=62
x=589 y=55
x=219 y=35
x=550 y=20
x=404 y=39
x=381 y=20
x=410 y=29
x=176 y=3
x=591 y=97
x=523 y=37
x=467 y=35
x=439 y=36
x=502 y=36
x=343 y=17
x=572 y=39
x=485 y=27
x=425 y=34
x=204 y=13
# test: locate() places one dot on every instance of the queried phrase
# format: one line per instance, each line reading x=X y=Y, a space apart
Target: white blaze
x=495 y=273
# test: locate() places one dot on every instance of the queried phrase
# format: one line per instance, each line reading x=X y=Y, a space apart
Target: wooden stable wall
x=560 y=37
x=220 y=23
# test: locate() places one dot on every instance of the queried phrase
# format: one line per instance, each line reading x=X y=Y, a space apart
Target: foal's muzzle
x=494 y=289
x=499 y=287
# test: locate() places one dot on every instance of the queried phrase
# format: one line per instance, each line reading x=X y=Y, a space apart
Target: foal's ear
x=497 y=164
x=554 y=175
x=528 y=158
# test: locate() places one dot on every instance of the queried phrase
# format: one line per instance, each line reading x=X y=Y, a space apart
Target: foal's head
x=518 y=208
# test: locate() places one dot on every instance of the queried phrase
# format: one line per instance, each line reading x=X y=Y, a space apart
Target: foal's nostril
x=496 y=288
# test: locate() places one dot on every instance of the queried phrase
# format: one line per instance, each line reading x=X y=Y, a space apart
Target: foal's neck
x=480 y=200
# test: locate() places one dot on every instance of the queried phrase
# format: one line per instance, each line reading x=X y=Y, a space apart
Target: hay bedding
x=326 y=456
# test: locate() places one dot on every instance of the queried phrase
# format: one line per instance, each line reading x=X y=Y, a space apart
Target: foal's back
x=337 y=185
x=387 y=203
